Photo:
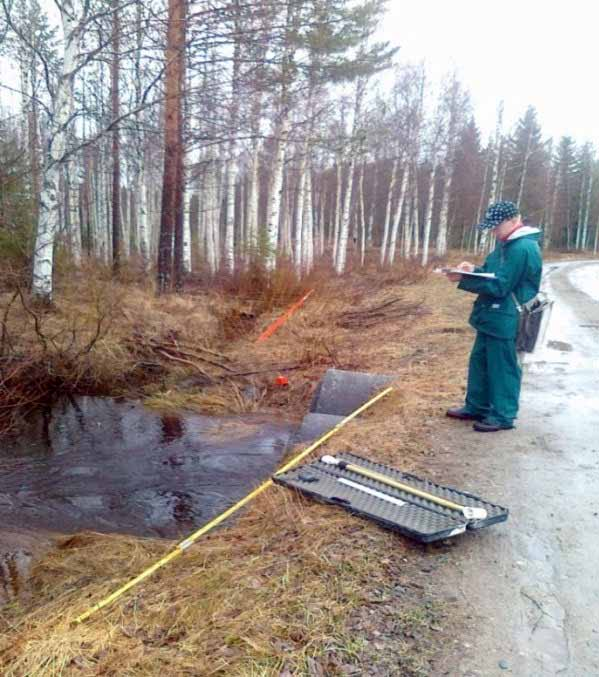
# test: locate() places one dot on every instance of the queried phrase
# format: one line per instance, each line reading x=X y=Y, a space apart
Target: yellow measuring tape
x=182 y=547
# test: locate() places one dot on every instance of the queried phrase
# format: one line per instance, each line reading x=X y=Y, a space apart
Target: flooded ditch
x=113 y=465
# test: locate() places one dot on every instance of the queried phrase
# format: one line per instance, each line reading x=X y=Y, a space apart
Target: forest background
x=209 y=137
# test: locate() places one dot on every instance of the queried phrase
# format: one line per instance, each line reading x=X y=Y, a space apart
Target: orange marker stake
x=280 y=321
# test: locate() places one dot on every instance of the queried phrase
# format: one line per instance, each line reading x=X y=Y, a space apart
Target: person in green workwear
x=494 y=373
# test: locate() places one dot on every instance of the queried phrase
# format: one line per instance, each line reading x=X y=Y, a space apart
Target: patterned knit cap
x=499 y=212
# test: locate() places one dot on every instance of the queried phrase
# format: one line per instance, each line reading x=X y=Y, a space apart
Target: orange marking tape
x=280 y=321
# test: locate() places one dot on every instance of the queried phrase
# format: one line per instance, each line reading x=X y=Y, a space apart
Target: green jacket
x=517 y=265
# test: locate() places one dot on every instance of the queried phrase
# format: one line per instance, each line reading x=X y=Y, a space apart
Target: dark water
x=114 y=466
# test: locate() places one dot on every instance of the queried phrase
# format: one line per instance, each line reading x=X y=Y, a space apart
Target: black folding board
x=419 y=518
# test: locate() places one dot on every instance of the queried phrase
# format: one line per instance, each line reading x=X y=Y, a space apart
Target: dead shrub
x=235 y=322
x=268 y=290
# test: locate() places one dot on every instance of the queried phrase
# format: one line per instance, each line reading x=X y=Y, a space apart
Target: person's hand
x=466 y=266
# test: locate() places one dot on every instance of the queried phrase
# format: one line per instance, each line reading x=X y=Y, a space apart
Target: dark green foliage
x=468 y=177
x=566 y=205
x=527 y=163
x=335 y=35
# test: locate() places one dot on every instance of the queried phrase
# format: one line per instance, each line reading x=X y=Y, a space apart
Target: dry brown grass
x=292 y=586
x=87 y=342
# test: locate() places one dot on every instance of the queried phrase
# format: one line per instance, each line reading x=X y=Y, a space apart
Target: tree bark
x=344 y=228
x=398 y=213
x=43 y=253
x=429 y=214
x=387 y=223
x=116 y=151
x=174 y=78
x=276 y=189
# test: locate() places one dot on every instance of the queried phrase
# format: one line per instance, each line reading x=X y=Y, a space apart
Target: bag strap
x=529 y=304
x=518 y=306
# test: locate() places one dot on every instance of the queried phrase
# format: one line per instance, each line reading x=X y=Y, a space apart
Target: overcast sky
x=535 y=52
x=539 y=52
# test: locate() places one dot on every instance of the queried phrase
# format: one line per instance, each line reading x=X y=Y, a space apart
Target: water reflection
x=110 y=465
x=172 y=428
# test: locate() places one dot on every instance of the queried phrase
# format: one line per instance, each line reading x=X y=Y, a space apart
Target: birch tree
x=354 y=141
x=454 y=105
x=483 y=243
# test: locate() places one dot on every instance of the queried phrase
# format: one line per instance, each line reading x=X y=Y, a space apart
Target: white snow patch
x=586 y=279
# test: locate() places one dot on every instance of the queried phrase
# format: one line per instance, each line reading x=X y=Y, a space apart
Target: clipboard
x=487 y=276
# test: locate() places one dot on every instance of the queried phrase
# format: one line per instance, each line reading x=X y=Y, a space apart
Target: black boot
x=491 y=425
x=463 y=414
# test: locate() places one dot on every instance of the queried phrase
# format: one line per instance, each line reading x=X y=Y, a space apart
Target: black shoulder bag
x=531 y=315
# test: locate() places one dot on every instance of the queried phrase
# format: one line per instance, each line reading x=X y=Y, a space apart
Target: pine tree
x=526 y=174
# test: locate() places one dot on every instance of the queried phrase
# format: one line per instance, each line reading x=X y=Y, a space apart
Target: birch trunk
x=441 y=248
x=307 y=225
x=409 y=226
x=43 y=253
x=133 y=225
x=388 y=210
x=373 y=204
x=484 y=240
x=587 y=211
x=142 y=216
x=362 y=215
x=344 y=227
x=187 y=230
x=252 y=206
x=428 y=219
x=96 y=188
x=416 y=226
x=285 y=239
x=321 y=221
x=483 y=192
x=282 y=131
x=211 y=217
x=140 y=178
x=299 y=215
x=74 y=223
x=231 y=169
x=398 y=212
x=125 y=224
x=337 y=214
x=242 y=218
x=276 y=190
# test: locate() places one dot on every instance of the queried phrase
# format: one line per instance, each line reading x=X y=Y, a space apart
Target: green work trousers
x=494 y=378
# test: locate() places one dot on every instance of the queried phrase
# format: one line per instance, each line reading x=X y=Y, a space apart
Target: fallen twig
x=262 y=371
x=184 y=361
x=367 y=317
